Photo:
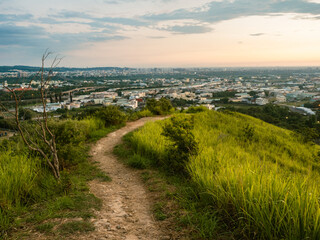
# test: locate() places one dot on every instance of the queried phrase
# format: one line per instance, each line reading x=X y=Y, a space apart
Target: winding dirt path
x=125 y=212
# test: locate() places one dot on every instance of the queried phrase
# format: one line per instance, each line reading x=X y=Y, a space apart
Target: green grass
x=45 y=227
x=75 y=226
x=188 y=214
x=254 y=179
x=158 y=211
x=29 y=194
x=102 y=132
x=18 y=179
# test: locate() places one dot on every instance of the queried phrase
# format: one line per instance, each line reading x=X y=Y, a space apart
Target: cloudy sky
x=161 y=33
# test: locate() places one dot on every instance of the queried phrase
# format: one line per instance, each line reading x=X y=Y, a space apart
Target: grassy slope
x=31 y=199
x=260 y=179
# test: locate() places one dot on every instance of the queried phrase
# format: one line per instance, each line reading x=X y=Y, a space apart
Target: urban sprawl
x=129 y=88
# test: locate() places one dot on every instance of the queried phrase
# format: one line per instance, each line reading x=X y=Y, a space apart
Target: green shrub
x=182 y=142
x=111 y=115
x=145 y=113
x=137 y=115
x=196 y=109
x=25 y=113
x=159 y=107
x=71 y=136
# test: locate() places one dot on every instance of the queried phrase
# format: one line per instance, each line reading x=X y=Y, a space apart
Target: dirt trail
x=125 y=212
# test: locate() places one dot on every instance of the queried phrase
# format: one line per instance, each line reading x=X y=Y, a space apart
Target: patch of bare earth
x=126 y=211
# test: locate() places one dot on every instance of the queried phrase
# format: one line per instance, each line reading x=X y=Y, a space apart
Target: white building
x=281 y=98
x=133 y=104
x=261 y=101
x=73 y=105
x=103 y=95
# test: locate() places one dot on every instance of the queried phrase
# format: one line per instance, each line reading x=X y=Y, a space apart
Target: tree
x=183 y=143
x=25 y=114
x=163 y=106
x=111 y=115
x=38 y=137
x=151 y=103
x=224 y=100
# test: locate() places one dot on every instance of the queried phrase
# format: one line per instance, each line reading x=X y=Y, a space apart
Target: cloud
x=69 y=16
x=257 y=34
x=65 y=14
x=189 y=29
x=227 y=10
x=26 y=36
x=111 y=2
x=128 y=1
x=156 y=37
x=123 y=21
x=307 y=17
x=37 y=37
x=15 y=17
x=27 y=31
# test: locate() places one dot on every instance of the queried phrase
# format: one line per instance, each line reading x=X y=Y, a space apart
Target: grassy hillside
x=260 y=179
x=29 y=194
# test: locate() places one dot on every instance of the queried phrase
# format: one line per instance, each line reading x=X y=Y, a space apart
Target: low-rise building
x=281 y=98
x=261 y=101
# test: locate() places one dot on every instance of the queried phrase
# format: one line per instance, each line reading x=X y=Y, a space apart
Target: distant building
x=210 y=106
x=242 y=95
x=49 y=107
x=133 y=104
x=98 y=100
x=103 y=95
x=261 y=101
x=73 y=105
x=281 y=98
x=305 y=111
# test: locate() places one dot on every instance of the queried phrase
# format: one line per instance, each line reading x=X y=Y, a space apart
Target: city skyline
x=162 y=33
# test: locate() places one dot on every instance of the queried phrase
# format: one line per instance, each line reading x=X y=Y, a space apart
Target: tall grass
x=263 y=180
x=17 y=178
x=25 y=179
x=18 y=175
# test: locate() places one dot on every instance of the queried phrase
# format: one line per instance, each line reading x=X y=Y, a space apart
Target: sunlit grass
x=262 y=180
x=26 y=179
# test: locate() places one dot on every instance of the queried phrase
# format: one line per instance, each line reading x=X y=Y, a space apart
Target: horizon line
x=172 y=67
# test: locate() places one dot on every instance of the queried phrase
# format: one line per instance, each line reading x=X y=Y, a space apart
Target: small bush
x=183 y=144
x=196 y=109
x=111 y=115
x=137 y=115
x=161 y=107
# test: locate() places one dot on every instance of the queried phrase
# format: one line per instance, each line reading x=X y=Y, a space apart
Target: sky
x=161 y=33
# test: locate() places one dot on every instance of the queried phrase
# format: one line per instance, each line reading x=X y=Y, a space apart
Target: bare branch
x=43 y=132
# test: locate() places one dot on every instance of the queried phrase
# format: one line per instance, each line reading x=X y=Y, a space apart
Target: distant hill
x=220 y=70
x=62 y=69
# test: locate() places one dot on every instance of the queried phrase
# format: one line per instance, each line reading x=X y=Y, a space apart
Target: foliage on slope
x=261 y=179
x=25 y=179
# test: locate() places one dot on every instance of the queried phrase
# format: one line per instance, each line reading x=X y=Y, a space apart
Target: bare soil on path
x=126 y=210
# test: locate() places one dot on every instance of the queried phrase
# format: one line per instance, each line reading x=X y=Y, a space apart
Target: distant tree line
x=306 y=125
